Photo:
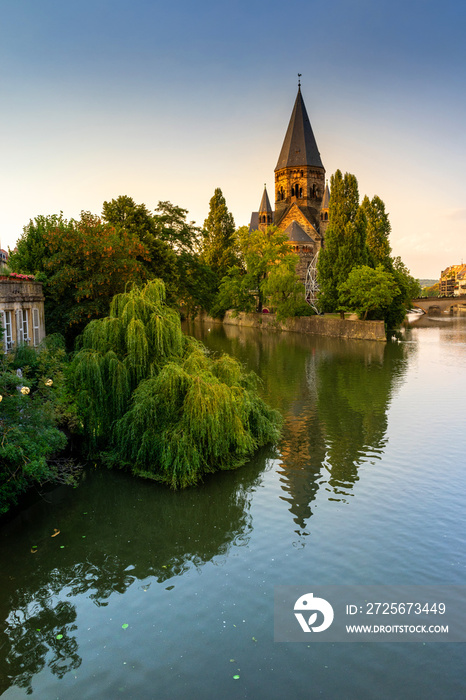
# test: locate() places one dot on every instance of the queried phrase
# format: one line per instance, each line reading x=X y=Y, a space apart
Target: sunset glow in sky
x=162 y=101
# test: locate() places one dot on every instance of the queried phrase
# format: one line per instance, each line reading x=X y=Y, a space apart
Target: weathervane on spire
x=299 y=82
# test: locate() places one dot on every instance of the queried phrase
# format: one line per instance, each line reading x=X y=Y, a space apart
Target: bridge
x=440 y=305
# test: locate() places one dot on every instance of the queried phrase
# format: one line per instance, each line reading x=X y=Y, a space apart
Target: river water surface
x=145 y=593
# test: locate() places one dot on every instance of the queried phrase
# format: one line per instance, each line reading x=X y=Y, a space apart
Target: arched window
x=301 y=192
x=326 y=216
x=292 y=190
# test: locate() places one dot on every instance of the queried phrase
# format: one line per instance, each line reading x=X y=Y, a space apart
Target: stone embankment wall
x=317 y=325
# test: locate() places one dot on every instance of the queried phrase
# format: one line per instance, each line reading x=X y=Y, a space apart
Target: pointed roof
x=326 y=197
x=296 y=233
x=299 y=147
x=265 y=207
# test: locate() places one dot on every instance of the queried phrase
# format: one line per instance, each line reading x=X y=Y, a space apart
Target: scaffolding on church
x=311 y=287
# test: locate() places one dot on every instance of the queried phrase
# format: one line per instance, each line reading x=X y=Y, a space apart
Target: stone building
x=453 y=281
x=21 y=311
x=301 y=195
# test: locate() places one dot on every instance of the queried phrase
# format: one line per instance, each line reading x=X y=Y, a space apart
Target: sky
x=169 y=100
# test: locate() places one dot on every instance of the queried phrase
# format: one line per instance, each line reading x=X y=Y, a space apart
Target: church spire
x=299 y=147
x=265 y=210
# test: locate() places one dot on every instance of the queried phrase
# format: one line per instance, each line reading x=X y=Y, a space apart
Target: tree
x=345 y=239
x=367 y=290
x=171 y=226
x=218 y=249
x=378 y=231
x=125 y=215
x=166 y=409
x=269 y=269
x=408 y=289
x=89 y=263
x=32 y=249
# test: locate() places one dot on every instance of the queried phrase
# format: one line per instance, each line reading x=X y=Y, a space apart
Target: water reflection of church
x=301 y=194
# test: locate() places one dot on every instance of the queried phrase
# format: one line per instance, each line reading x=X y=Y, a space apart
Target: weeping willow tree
x=157 y=403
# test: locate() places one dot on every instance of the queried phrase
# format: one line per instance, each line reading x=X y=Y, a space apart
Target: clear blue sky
x=168 y=100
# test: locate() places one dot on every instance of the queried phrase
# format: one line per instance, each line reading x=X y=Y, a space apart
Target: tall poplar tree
x=378 y=231
x=345 y=239
x=218 y=249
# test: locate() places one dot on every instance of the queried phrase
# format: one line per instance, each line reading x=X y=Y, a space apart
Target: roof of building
x=326 y=197
x=297 y=234
x=254 y=223
x=265 y=207
x=299 y=147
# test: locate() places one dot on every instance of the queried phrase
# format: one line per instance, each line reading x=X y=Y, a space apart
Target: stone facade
x=21 y=312
x=314 y=325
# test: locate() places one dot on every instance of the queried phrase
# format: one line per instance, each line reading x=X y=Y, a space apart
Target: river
x=122 y=588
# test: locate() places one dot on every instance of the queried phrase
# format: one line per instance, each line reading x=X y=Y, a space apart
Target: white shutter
x=4 y=339
x=8 y=337
x=26 y=338
x=19 y=326
x=35 y=327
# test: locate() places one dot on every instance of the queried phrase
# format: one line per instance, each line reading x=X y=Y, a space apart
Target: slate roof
x=299 y=147
x=265 y=207
x=297 y=234
x=254 y=224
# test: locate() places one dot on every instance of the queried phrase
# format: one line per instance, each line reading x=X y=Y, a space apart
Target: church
x=301 y=195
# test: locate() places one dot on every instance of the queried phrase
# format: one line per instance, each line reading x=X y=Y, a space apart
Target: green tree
x=378 y=231
x=125 y=215
x=32 y=249
x=345 y=239
x=89 y=262
x=171 y=226
x=269 y=270
x=169 y=411
x=219 y=245
x=368 y=291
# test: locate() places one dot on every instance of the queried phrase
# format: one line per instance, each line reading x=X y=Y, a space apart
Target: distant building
x=21 y=311
x=301 y=195
x=3 y=258
x=453 y=281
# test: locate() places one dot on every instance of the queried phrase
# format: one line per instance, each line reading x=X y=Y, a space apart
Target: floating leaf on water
x=169 y=588
x=125 y=626
x=232 y=661
x=62 y=546
x=254 y=639
x=236 y=677
x=34 y=550
x=55 y=532
x=59 y=636
x=83 y=535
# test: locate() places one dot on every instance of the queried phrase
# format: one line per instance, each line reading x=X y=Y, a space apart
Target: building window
x=22 y=329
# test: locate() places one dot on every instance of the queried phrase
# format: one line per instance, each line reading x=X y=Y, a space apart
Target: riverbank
x=315 y=325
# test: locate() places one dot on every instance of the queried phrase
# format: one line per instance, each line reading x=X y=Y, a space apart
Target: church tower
x=299 y=174
x=301 y=195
